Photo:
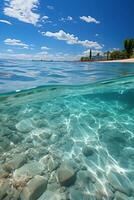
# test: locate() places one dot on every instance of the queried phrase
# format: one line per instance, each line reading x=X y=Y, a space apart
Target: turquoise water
x=80 y=119
x=19 y=75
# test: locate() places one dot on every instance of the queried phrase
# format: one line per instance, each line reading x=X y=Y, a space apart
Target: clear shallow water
x=87 y=129
x=18 y=75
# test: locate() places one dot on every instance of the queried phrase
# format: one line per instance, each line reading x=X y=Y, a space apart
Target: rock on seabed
x=34 y=188
x=29 y=169
x=4 y=187
x=18 y=161
x=120 y=183
x=25 y=125
x=88 y=150
x=66 y=175
x=50 y=195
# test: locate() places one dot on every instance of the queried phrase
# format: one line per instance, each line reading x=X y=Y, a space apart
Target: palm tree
x=129 y=46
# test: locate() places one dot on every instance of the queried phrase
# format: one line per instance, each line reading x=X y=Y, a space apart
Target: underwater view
x=66 y=131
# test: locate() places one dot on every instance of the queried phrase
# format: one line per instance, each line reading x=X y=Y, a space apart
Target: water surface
x=18 y=75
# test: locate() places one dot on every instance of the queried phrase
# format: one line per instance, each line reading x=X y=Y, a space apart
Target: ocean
x=67 y=127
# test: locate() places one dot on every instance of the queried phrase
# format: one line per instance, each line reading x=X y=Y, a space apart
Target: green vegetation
x=115 y=55
x=85 y=59
x=132 y=56
x=129 y=47
x=107 y=54
x=128 y=52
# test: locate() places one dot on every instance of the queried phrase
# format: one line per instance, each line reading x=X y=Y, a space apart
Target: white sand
x=130 y=60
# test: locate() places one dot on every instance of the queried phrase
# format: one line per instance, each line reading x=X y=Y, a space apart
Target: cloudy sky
x=63 y=29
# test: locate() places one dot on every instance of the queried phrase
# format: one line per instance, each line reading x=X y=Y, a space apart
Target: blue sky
x=63 y=30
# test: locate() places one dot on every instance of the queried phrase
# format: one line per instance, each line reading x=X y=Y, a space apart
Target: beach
x=130 y=60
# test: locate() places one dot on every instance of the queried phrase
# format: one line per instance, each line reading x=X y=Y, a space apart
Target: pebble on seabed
x=66 y=175
x=65 y=157
x=34 y=188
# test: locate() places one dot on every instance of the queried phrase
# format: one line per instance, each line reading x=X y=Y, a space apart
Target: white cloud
x=45 y=48
x=5 y=21
x=116 y=49
x=69 y=18
x=89 y=19
x=42 y=55
x=90 y=44
x=64 y=19
x=50 y=7
x=71 y=39
x=61 y=35
x=9 y=50
x=22 y=10
x=14 y=42
x=45 y=17
x=15 y=56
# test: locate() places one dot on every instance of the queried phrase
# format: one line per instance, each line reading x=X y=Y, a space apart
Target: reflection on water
x=18 y=75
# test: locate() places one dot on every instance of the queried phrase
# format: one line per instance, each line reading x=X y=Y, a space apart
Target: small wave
x=119 y=85
x=19 y=75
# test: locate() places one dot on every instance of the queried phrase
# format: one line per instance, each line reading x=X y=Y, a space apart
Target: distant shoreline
x=130 y=60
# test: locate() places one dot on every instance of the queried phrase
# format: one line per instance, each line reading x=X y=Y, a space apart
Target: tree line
x=127 y=52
